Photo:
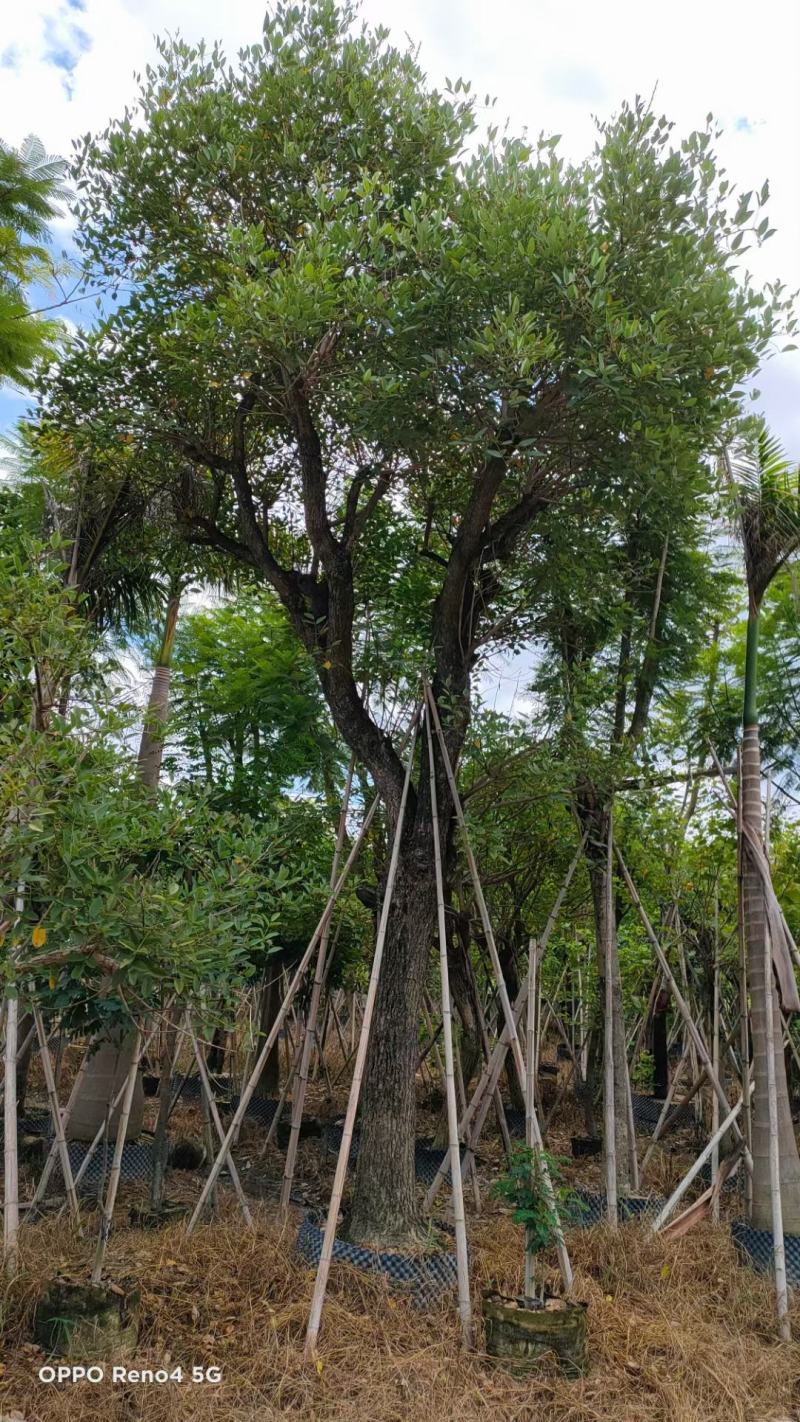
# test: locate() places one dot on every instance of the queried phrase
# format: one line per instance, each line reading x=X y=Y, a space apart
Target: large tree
x=329 y=312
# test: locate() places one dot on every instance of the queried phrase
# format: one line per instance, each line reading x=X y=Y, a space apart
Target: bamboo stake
x=462 y=1107
x=464 y=1301
x=671 y=1089
x=55 y=1112
x=677 y=994
x=299 y=1093
x=218 y=1126
x=563 y=1256
x=116 y=1164
x=715 y=1060
x=478 y=1108
x=285 y=1089
x=272 y=1036
x=609 y=1116
x=530 y=1085
x=326 y=1254
x=10 y=1144
x=103 y=1128
x=680 y=1190
x=52 y=1154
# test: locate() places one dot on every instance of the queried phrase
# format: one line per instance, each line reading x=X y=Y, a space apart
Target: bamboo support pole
x=272 y=1036
x=516 y=1050
x=107 y=1212
x=497 y=1100
x=218 y=1126
x=462 y=1262
x=694 y=1170
x=55 y=1112
x=609 y=1114
x=530 y=1086
x=299 y=1092
x=326 y=1253
x=715 y=1057
x=683 y=1008
x=53 y=1152
x=665 y=1109
x=10 y=1142
x=462 y=1107
x=478 y=1108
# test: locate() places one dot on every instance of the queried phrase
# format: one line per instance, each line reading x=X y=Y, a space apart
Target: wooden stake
x=218 y=1126
x=116 y=1164
x=678 y=995
x=530 y=1088
x=478 y=1109
x=272 y=1036
x=326 y=1254
x=609 y=1116
x=502 y=991
x=715 y=1060
x=55 y=1112
x=681 y=1189
x=464 y=1301
x=10 y=1146
x=299 y=1093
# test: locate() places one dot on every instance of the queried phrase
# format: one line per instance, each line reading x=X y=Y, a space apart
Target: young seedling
x=523 y=1187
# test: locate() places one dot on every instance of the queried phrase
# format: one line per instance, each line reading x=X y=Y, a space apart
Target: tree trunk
x=384 y=1203
x=754 y=911
x=269 y=1080
x=659 y=1041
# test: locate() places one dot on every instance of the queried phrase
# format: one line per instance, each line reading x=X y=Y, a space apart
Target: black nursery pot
x=88 y=1323
x=586 y=1145
x=521 y=1338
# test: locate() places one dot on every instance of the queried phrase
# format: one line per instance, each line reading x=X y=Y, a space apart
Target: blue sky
x=66 y=66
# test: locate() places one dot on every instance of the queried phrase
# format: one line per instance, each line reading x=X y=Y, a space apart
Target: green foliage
x=246 y=718
x=127 y=900
x=30 y=187
x=523 y=1187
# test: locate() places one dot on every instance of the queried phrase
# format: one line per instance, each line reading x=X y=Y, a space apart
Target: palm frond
x=765 y=485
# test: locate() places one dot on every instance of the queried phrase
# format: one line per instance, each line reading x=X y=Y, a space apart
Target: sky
x=552 y=66
x=67 y=66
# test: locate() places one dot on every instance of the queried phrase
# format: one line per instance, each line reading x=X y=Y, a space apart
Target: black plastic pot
x=586 y=1145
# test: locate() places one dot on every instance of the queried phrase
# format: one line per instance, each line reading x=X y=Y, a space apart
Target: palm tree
x=766 y=490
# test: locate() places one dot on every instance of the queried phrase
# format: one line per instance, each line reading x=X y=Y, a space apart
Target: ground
x=678 y=1331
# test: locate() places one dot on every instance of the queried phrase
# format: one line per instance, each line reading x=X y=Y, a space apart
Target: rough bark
x=384 y=1196
x=755 y=926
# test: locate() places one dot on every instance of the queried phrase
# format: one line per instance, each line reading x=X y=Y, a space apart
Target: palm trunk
x=755 y=930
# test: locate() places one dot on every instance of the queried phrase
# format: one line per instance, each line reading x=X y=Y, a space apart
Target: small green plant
x=538 y=1209
x=643 y=1072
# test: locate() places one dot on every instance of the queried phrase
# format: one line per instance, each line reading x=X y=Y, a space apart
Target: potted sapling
x=522 y=1331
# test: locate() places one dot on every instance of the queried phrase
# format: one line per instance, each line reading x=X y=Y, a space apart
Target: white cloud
x=551 y=64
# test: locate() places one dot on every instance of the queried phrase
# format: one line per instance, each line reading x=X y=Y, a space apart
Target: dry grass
x=677 y=1333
